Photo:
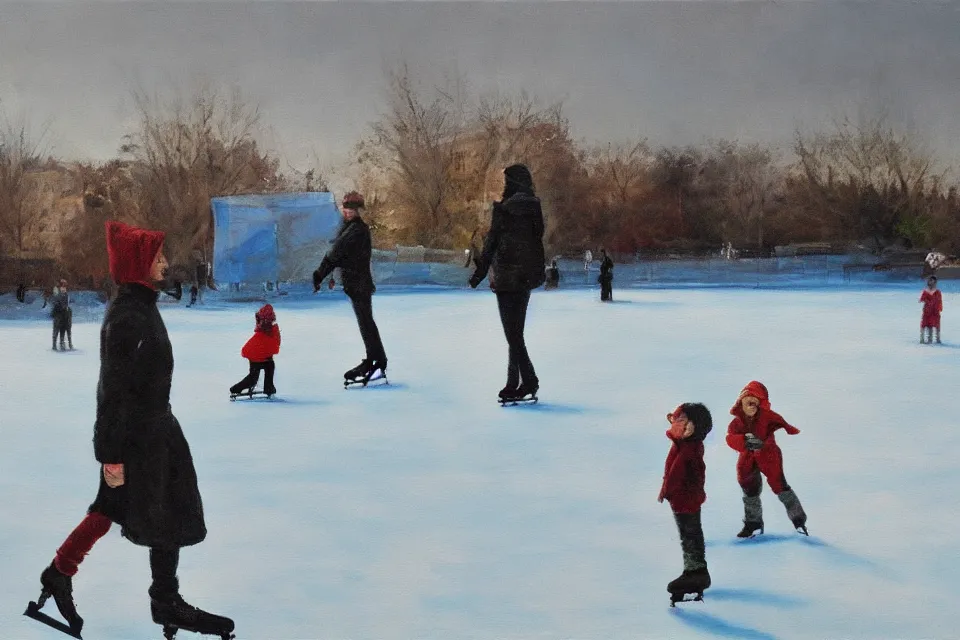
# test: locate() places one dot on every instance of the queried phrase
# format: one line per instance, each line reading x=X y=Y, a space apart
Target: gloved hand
x=753 y=442
x=316 y=280
x=474 y=281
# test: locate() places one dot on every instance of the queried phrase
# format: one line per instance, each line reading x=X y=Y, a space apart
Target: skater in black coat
x=513 y=248
x=148 y=484
x=606 y=277
x=351 y=253
x=62 y=316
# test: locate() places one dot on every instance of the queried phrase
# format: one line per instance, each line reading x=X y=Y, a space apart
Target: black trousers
x=63 y=326
x=363 y=309
x=606 y=288
x=163 y=569
x=267 y=366
x=513 y=317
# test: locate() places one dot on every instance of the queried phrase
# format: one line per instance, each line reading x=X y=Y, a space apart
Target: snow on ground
x=422 y=509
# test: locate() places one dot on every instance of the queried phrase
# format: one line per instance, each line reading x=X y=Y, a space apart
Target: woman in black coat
x=148 y=484
x=514 y=249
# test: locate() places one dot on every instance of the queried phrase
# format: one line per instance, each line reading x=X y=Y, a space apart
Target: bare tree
x=190 y=151
x=416 y=143
x=753 y=180
x=866 y=176
x=21 y=158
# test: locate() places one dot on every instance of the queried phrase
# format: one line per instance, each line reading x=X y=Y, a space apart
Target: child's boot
x=794 y=510
x=921 y=335
x=938 y=335
x=752 y=516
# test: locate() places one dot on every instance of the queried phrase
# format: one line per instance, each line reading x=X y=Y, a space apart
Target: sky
x=674 y=72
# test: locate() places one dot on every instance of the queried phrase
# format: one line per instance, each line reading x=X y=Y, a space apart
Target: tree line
x=430 y=165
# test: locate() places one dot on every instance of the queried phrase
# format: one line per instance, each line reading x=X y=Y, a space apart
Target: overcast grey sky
x=676 y=72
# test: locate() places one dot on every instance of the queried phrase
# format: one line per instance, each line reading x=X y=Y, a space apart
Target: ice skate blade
x=250 y=395
x=33 y=611
x=680 y=597
x=512 y=402
x=169 y=631
x=365 y=382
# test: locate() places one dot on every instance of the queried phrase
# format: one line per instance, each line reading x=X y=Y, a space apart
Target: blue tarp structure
x=271 y=237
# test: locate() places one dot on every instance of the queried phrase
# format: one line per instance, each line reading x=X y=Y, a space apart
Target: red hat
x=758 y=391
x=353 y=200
x=131 y=251
x=266 y=314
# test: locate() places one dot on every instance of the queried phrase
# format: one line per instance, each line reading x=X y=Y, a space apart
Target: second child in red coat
x=932 y=301
x=684 y=476
x=259 y=350
x=751 y=434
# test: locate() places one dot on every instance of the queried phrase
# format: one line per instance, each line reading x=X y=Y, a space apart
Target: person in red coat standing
x=751 y=433
x=259 y=350
x=932 y=301
x=684 y=476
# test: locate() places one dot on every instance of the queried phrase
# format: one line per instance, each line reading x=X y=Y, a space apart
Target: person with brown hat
x=351 y=252
x=513 y=248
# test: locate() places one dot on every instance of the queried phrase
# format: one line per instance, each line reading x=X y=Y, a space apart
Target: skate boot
x=693 y=582
x=938 y=336
x=174 y=614
x=749 y=528
x=509 y=391
x=358 y=371
x=60 y=586
x=794 y=510
x=528 y=389
x=270 y=391
x=376 y=370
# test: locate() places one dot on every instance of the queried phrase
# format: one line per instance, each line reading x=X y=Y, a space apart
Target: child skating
x=932 y=301
x=751 y=433
x=684 y=476
x=259 y=350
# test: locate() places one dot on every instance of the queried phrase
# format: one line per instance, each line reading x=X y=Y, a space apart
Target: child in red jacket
x=684 y=476
x=751 y=433
x=932 y=301
x=259 y=350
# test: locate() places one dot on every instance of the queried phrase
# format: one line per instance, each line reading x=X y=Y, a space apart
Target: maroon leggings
x=78 y=544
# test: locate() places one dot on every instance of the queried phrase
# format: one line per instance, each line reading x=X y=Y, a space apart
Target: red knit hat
x=758 y=391
x=131 y=252
x=266 y=314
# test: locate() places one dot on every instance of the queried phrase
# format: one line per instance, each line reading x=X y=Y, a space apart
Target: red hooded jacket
x=265 y=341
x=131 y=252
x=932 y=308
x=764 y=423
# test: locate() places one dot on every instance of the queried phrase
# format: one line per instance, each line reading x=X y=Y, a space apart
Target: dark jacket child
x=684 y=476
x=259 y=350
x=751 y=433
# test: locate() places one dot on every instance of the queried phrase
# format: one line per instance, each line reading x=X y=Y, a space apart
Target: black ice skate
x=375 y=370
x=358 y=371
x=59 y=586
x=749 y=528
x=526 y=393
x=690 y=582
x=509 y=391
x=173 y=614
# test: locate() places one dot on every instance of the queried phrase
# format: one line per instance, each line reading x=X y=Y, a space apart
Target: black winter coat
x=514 y=245
x=350 y=252
x=159 y=504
